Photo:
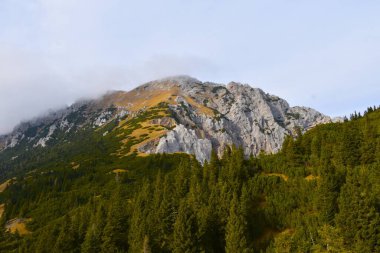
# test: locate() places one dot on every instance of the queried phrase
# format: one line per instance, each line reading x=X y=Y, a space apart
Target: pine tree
x=368 y=147
x=235 y=169
x=358 y=219
x=236 y=229
x=327 y=154
x=315 y=150
x=66 y=239
x=377 y=156
x=182 y=179
x=330 y=241
x=138 y=221
x=91 y=241
x=115 y=236
x=185 y=228
x=326 y=202
x=351 y=142
x=47 y=238
x=289 y=152
x=93 y=237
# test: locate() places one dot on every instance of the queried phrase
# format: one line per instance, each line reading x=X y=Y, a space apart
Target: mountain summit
x=174 y=114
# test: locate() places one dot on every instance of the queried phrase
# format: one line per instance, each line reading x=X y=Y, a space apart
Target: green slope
x=319 y=194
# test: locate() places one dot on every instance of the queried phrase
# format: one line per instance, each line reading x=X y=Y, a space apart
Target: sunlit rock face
x=211 y=115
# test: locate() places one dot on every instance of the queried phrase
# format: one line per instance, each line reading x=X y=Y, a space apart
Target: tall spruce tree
x=115 y=235
x=93 y=237
x=185 y=228
x=358 y=219
x=66 y=239
x=236 y=229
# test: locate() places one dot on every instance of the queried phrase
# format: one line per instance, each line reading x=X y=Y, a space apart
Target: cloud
x=31 y=85
x=159 y=66
x=57 y=53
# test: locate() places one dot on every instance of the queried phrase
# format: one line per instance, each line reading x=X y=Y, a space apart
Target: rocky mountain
x=177 y=114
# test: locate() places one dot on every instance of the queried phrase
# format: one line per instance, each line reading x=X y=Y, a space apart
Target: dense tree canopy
x=321 y=193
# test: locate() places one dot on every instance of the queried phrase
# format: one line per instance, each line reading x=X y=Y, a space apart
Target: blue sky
x=323 y=54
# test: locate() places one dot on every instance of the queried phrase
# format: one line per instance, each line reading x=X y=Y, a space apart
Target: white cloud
x=31 y=85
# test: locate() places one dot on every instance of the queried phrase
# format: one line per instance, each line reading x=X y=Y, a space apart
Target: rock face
x=40 y=131
x=240 y=115
x=181 y=139
x=203 y=116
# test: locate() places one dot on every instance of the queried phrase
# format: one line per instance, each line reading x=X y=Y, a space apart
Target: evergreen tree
x=66 y=239
x=315 y=150
x=115 y=236
x=91 y=241
x=368 y=147
x=326 y=192
x=292 y=151
x=185 y=228
x=377 y=156
x=358 y=219
x=330 y=241
x=93 y=237
x=236 y=229
x=182 y=179
x=351 y=142
x=138 y=224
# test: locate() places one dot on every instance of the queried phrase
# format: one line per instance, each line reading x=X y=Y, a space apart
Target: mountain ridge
x=196 y=117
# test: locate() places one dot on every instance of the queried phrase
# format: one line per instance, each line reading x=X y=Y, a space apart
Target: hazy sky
x=323 y=54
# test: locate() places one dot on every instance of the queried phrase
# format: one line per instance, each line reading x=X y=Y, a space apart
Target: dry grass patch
x=151 y=136
x=136 y=100
x=147 y=132
x=2 y=209
x=75 y=165
x=199 y=107
x=140 y=131
x=4 y=185
x=17 y=225
x=119 y=171
x=311 y=177
x=283 y=176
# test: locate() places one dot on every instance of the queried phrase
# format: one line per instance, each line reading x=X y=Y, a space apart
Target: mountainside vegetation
x=320 y=193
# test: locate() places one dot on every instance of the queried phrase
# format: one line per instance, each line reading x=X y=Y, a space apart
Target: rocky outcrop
x=242 y=116
x=166 y=122
x=149 y=147
x=38 y=131
x=181 y=139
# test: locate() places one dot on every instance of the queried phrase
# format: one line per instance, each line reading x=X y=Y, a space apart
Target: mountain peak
x=178 y=114
x=180 y=79
x=166 y=83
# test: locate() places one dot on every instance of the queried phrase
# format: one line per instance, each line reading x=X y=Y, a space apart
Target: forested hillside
x=320 y=193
